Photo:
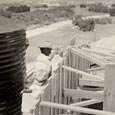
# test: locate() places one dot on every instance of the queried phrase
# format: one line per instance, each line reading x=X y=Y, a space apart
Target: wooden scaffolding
x=76 y=85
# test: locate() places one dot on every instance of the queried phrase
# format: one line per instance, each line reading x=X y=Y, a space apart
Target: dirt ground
x=62 y=36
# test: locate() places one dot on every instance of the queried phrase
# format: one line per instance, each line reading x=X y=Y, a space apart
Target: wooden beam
x=99 y=47
x=88 y=82
x=82 y=73
x=83 y=94
x=98 y=52
x=87 y=102
x=88 y=57
x=109 y=91
x=75 y=109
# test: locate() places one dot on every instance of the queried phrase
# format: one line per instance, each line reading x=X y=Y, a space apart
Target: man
x=42 y=69
x=43 y=64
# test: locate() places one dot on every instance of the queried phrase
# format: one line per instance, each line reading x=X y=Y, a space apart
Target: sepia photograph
x=57 y=57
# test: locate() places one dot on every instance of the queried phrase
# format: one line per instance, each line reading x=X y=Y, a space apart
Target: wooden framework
x=67 y=85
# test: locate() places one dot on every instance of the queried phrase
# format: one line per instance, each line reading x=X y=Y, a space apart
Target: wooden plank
x=52 y=94
x=109 y=91
x=73 y=74
x=87 y=102
x=56 y=90
x=70 y=73
x=76 y=109
x=80 y=65
x=98 y=52
x=61 y=86
x=83 y=94
x=88 y=82
x=76 y=74
x=65 y=80
x=88 y=57
x=82 y=73
x=46 y=97
x=99 y=47
x=41 y=110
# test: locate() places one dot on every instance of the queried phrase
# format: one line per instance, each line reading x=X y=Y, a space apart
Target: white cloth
x=55 y=62
x=42 y=67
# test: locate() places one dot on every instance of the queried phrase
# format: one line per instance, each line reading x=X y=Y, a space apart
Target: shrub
x=72 y=5
x=112 y=11
x=83 y=24
x=76 y=19
x=113 y=5
x=104 y=20
x=6 y=14
x=18 y=9
x=83 y=5
x=86 y=25
x=99 y=7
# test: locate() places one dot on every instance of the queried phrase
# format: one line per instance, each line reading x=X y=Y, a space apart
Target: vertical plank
x=52 y=94
x=65 y=80
x=73 y=74
x=57 y=91
x=70 y=73
x=50 y=85
x=41 y=111
x=45 y=97
x=61 y=86
x=77 y=67
x=109 y=91
x=72 y=65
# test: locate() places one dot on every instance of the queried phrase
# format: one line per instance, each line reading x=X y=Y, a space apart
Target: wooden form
x=64 y=85
x=53 y=93
x=99 y=47
x=83 y=94
x=82 y=73
x=89 y=82
x=76 y=109
x=89 y=57
x=98 y=52
x=87 y=102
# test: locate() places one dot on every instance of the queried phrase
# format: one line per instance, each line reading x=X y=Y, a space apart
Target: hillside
x=57 y=1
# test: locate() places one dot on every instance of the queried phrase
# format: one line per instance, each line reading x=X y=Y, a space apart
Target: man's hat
x=45 y=44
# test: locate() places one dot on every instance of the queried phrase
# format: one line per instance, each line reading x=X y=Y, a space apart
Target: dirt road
x=48 y=28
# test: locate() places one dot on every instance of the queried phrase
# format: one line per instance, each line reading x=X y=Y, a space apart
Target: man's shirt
x=42 y=67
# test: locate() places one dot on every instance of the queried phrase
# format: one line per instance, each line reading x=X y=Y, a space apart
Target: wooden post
x=109 y=91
